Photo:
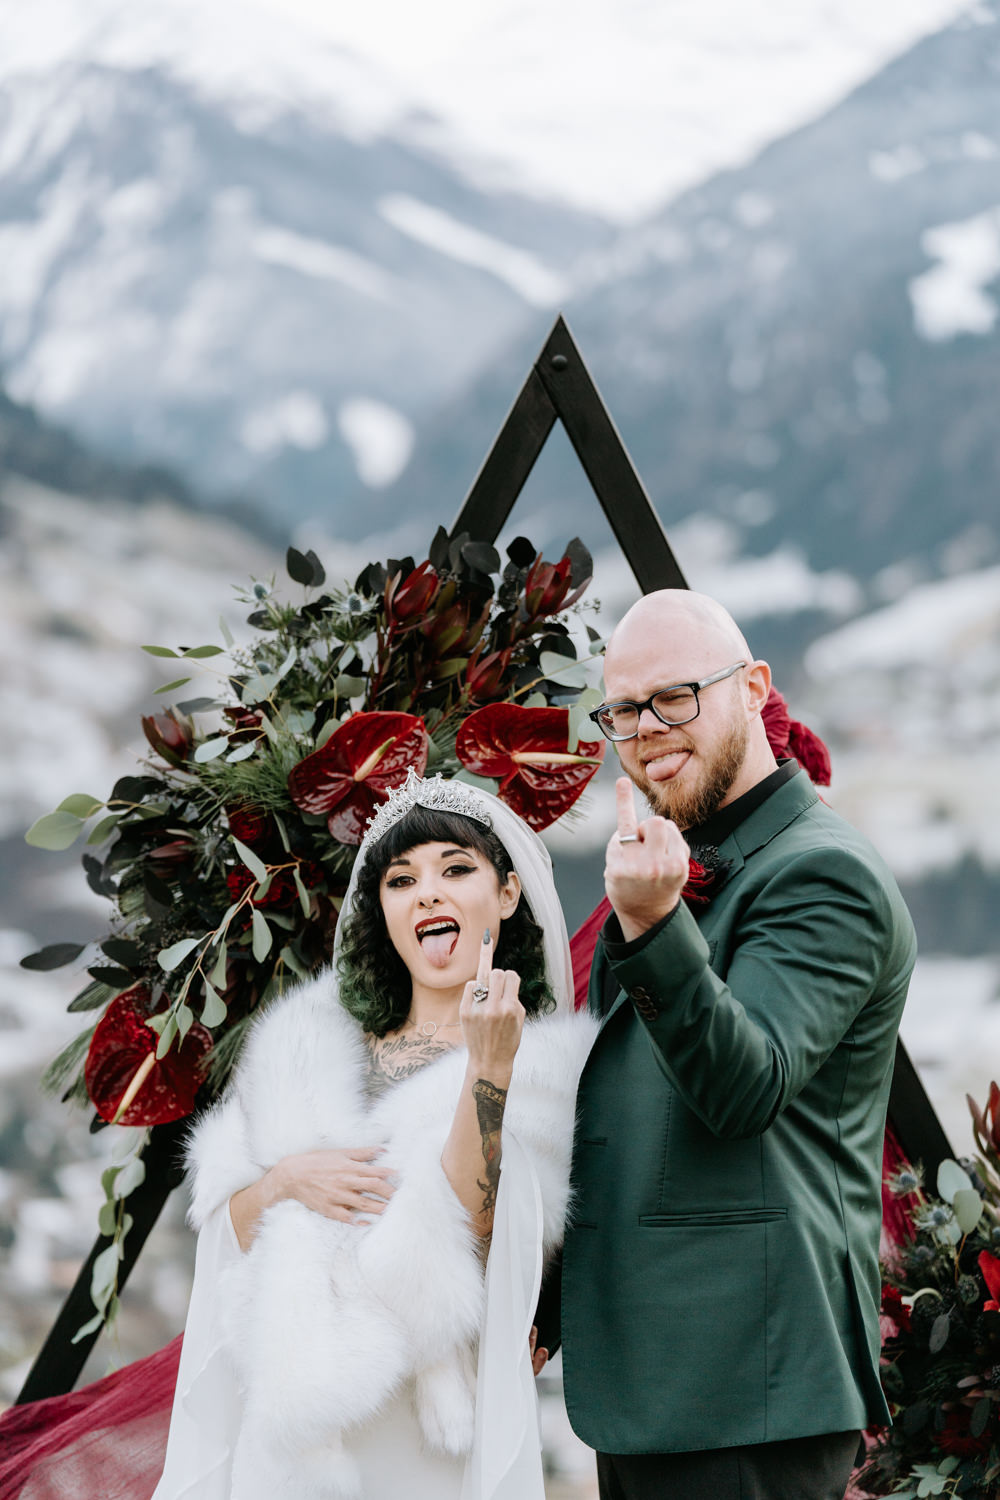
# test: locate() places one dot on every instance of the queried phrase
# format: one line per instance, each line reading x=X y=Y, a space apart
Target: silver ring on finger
x=628 y=838
x=480 y=993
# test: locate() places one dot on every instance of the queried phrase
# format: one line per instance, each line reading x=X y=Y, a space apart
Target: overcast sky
x=616 y=104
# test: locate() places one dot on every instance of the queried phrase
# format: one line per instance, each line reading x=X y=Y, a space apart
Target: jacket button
x=638 y=993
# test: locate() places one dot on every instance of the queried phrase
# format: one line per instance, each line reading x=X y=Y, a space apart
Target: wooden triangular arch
x=560 y=387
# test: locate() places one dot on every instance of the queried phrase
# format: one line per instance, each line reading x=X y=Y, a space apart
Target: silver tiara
x=431 y=791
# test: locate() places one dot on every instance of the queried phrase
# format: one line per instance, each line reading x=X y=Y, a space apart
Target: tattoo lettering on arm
x=490 y=1104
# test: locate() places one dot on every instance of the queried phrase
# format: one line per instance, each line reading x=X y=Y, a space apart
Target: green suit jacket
x=720 y=1279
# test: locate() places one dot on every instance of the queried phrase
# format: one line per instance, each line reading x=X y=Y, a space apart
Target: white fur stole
x=325 y=1321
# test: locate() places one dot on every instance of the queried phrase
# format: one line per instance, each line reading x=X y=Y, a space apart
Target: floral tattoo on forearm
x=490 y=1104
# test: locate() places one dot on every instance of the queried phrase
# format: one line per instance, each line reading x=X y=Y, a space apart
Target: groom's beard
x=701 y=796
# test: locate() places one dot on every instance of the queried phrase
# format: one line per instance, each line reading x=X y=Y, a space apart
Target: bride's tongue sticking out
x=438 y=942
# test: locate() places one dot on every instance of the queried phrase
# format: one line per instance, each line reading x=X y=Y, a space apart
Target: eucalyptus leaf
x=303 y=893
x=107 y=1218
x=481 y=783
x=214 y=1011
x=980 y=1417
x=940 y=1329
x=80 y=804
x=289 y=957
x=227 y=634
x=198 y=653
x=166 y=1037
x=54 y=956
x=54 y=831
x=108 y=1181
x=300 y=720
x=104 y=829
x=951 y=1180
x=253 y=863
x=185 y=1020
x=160 y=651
x=122 y=951
x=170 y=958
x=104 y=1275
x=197 y=705
x=132 y=1174
x=218 y=974
x=263 y=887
x=536 y=700
x=261 y=943
x=242 y=752
x=282 y=833
x=968 y=1209
x=346 y=686
x=178 y=682
x=211 y=749
x=96 y=1322
x=557 y=668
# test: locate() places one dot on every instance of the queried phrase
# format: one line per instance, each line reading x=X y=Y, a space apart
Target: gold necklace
x=435 y=1026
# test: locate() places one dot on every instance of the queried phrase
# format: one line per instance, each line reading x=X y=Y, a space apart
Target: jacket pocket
x=713 y=1217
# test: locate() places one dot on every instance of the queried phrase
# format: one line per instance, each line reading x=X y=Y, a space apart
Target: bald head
x=690 y=768
x=689 y=629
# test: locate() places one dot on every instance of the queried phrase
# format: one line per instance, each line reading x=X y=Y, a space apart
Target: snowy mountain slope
x=806 y=353
x=245 y=271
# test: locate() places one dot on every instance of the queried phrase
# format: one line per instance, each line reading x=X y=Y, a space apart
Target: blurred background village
x=273 y=273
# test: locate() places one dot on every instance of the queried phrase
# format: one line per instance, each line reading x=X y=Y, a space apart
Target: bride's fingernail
x=486 y=937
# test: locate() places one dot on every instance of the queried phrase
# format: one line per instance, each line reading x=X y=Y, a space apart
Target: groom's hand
x=646 y=866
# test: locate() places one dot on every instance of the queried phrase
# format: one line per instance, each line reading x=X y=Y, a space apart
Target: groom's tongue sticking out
x=688 y=771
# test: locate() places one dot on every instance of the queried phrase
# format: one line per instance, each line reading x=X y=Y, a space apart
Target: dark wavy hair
x=375 y=984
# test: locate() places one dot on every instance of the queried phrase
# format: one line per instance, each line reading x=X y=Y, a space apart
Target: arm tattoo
x=490 y=1104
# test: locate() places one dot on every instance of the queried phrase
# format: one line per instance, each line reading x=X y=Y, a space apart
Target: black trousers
x=810 y=1468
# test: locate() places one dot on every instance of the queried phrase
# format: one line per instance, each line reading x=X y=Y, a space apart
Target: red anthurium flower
x=410 y=597
x=357 y=767
x=123 y=1048
x=170 y=736
x=525 y=749
x=990 y=1267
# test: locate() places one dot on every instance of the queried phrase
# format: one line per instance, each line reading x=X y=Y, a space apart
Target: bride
x=379 y=1188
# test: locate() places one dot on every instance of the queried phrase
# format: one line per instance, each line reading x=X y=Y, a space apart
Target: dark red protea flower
x=247 y=724
x=485 y=675
x=787 y=736
x=170 y=735
x=122 y=1062
x=548 y=588
x=985 y=1122
x=525 y=749
x=410 y=598
x=355 y=770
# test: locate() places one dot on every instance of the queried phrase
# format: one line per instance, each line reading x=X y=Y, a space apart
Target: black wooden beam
x=920 y=1134
x=59 y=1362
x=560 y=385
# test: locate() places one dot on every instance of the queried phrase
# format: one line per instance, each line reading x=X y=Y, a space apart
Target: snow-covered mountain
x=223 y=249
x=803 y=355
x=263 y=245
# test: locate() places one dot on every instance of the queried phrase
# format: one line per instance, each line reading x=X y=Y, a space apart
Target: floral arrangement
x=226 y=859
x=941 y=1332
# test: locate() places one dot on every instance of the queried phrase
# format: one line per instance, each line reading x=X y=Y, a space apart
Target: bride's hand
x=491 y=1024
x=340 y=1183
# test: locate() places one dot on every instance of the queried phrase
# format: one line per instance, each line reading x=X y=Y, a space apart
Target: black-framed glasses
x=678 y=704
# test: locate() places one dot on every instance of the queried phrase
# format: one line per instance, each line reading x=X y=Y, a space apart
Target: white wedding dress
x=313 y=1318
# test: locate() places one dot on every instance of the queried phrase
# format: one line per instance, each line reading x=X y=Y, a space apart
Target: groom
x=720 y=1283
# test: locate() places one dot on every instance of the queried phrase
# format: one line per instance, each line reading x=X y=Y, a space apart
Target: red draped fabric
x=107 y=1441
